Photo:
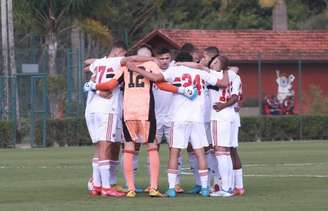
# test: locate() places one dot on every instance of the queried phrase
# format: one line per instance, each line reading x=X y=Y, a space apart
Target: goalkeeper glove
x=189 y=92
x=89 y=86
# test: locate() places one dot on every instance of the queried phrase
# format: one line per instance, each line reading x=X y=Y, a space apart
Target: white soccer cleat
x=221 y=193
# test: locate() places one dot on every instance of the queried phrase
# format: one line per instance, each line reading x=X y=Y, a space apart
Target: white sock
x=180 y=165
x=172 y=177
x=224 y=169
x=194 y=167
x=113 y=171
x=203 y=178
x=135 y=163
x=104 y=173
x=231 y=175
x=214 y=168
x=239 y=178
x=210 y=171
x=96 y=179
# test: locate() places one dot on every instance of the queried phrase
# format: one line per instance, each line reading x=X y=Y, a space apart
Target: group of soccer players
x=191 y=101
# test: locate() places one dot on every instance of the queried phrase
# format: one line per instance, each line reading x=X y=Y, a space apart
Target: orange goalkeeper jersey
x=138 y=101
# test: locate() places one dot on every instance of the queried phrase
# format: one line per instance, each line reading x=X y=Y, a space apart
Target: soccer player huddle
x=191 y=101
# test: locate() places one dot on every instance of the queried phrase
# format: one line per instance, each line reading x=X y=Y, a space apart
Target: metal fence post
x=13 y=109
x=68 y=108
x=259 y=81
x=300 y=110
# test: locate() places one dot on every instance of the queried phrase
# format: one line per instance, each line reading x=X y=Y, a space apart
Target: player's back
x=104 y=70
x=138 y=102
x=183 y=109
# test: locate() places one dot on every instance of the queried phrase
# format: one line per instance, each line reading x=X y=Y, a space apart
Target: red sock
x=128 y=169
x=154 y=166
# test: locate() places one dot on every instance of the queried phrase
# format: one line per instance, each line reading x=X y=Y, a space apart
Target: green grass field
x=278 y=176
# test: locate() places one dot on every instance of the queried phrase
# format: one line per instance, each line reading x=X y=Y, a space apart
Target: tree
x=5 y=56
x=11 y=41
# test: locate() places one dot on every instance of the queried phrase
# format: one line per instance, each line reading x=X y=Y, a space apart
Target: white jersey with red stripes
x=183 y=109
x=222 y=95
x=104 y=70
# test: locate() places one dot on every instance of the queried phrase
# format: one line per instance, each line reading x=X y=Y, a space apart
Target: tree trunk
x=12 y=55
x=279 y=16
x=51 y=41
x=4 y=33
x=76 y=47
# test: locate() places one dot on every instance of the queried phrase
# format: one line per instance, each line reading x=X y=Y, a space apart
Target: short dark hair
x=184 y=57
x=162 y=50
x=224 y=62
x=119 y=44
x=188 y=48
x=212 y=50
x=148 y=47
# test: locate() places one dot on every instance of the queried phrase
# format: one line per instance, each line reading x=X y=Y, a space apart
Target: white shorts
x=208 y=132
x=182 y=133
x=221 y=133
x=104 y=127
x=235 y=130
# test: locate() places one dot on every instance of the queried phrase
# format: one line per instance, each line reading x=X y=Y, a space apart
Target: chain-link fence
x=273 y=85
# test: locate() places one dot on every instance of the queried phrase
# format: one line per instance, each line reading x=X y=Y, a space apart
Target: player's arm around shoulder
x=194 y=65
x=136 y=58
x=112 y=84
x=214 y=78
x=149 y=75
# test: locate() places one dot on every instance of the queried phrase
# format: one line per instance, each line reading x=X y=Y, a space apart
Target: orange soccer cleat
x=239 y=191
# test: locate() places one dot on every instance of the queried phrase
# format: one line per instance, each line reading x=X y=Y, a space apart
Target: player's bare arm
x=151 y=76
x=136 y=58
x=194 y=65
x=219 y=106
x=89 y=61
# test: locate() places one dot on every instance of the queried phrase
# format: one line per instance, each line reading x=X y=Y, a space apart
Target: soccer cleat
x=196 y=189
x=146 y=190
x=139 y=189
x=215 y=188
x=171 y=193
x=131 y=194
x=239 y=191
x=95 y=191
x=111 y=192
x=204 y=192
x=179 y=189
x=154 y=193
x=221 y=193
x=119 y=188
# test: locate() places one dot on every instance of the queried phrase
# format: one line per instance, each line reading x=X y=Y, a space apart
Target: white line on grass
x=283 y=164
x=285 y=175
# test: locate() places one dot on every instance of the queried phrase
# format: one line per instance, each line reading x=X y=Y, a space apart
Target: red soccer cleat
x=95 y=191
x=111 y=192
x=239 y=191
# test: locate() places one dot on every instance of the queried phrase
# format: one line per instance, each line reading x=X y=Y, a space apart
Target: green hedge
x=277 y=128
x=67 y=132
x=73 y=131
x=6 y=134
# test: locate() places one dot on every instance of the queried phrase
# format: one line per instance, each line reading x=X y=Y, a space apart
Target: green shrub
x=74 y=132
x=5 y=134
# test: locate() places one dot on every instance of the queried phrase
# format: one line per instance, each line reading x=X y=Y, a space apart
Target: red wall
x=312 y=73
